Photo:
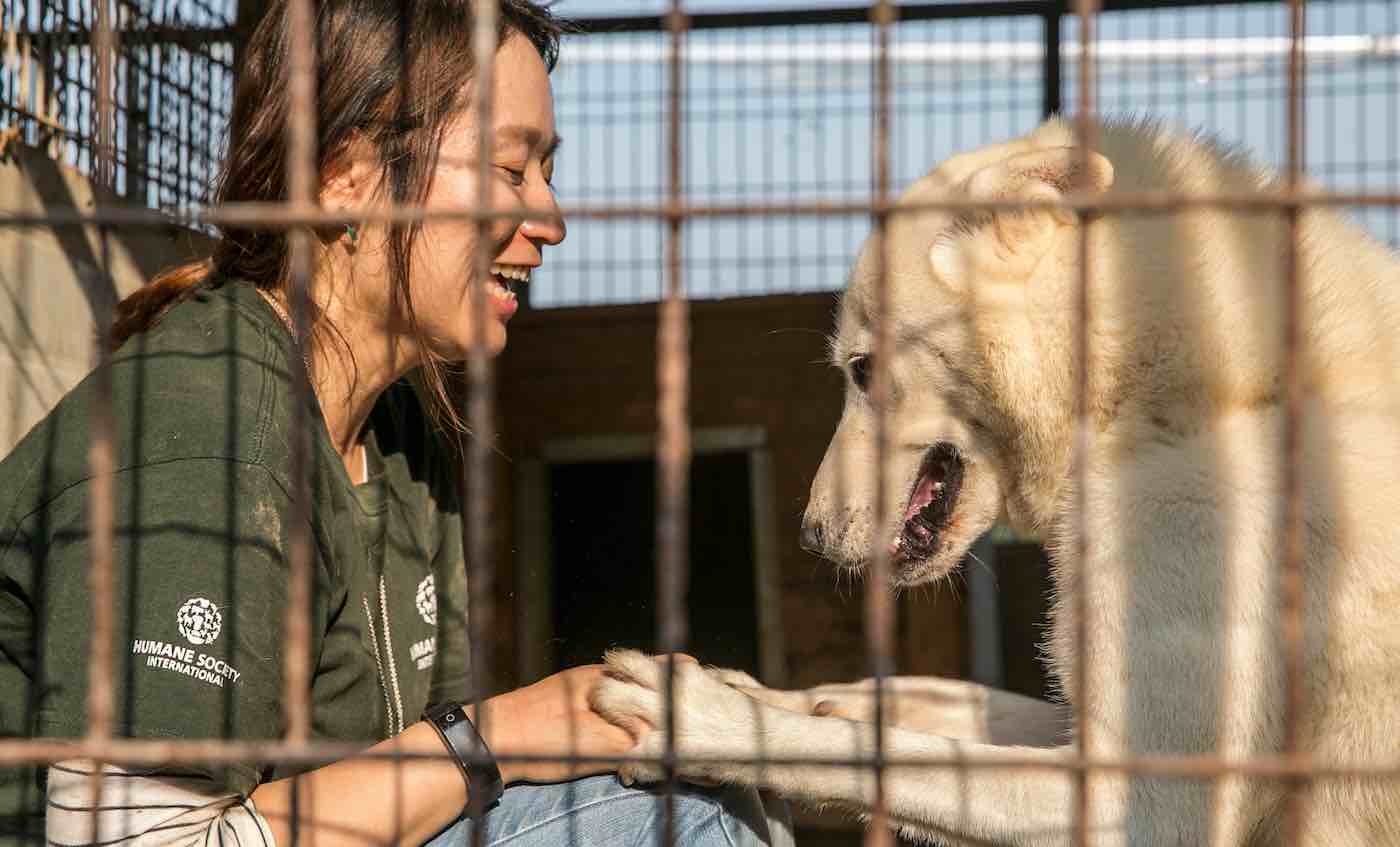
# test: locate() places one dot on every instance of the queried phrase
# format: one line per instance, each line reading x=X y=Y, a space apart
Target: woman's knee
x=733 y=816
x=601 y=811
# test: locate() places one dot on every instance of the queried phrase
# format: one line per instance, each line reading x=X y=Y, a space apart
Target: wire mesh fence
x=727 y=158
x=173 y=77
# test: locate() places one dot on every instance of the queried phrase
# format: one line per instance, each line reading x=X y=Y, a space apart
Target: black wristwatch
x=474 y=759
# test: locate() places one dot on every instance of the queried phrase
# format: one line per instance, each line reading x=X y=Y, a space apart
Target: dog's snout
x=811 y=536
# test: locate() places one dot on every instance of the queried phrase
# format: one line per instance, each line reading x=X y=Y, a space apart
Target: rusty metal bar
x=301 y=157
x=101 y=452
x=879 y=611
x=49 y=125
x=861 y=14
x=191 y=38
x=261 y=215
x=673 y=443
x=1291 y=576
x=1085 y=131
x=300 y=162
x=195 y=37
x=149 y=752
x=480 y=495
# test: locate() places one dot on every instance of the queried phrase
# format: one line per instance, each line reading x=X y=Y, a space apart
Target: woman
x=204 y=409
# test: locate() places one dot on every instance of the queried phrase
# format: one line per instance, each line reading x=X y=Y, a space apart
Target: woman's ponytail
x=148 y=304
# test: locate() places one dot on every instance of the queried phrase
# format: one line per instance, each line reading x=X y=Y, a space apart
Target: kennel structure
x=721 y=168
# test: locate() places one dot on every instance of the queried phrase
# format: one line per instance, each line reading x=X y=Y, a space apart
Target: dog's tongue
x=924 y=494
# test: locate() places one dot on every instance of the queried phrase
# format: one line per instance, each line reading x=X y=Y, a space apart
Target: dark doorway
x=603 y=527
x=1024 y=598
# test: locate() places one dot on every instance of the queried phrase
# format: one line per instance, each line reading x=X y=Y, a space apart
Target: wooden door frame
x=533 y=531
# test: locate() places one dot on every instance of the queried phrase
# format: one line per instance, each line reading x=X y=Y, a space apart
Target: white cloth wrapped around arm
x=147 y=810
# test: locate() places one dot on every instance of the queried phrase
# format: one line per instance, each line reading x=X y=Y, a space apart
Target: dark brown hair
x=390 y=73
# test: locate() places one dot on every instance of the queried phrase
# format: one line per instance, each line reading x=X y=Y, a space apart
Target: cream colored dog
x=1183 y=478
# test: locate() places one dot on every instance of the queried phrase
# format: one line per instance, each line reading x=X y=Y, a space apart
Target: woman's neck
x=350 y=367
x=350 y=372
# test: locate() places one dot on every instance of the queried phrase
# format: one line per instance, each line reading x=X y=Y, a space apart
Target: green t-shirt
x=203 y=408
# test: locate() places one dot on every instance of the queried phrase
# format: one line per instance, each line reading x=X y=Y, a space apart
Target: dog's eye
x=860 y=371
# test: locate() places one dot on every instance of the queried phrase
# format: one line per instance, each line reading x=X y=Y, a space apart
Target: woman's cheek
x=507 y=203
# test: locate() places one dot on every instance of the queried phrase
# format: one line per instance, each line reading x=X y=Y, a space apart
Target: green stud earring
x=354 y=233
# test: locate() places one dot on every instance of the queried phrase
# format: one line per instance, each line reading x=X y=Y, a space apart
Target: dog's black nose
x=811 y=537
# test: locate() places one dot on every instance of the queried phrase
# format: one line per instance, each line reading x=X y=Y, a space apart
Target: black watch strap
x=474 y=759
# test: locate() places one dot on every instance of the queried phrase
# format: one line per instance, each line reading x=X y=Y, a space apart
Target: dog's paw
x=716 y=726
x=633 y=692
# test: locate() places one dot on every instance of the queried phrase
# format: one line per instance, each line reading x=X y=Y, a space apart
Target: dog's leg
x=950 y=708
x=947 y=707
x=725 y=736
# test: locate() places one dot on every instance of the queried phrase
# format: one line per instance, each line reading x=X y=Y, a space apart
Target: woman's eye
x=516 y=177
x=860 y=371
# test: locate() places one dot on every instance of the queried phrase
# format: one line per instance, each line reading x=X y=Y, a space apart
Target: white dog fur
x=1183 y=479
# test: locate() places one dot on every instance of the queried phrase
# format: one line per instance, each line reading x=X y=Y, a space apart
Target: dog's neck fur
x=1222 y=349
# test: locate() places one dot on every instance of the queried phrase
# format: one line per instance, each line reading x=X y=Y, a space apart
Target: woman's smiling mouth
x=501 y=286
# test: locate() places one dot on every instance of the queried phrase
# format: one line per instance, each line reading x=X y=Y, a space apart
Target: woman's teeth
x=517 y=273
x=503 y=280
x=499 y=291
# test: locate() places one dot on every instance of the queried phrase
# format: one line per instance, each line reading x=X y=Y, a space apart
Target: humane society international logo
x=424 y=652
x=427 y=600
x=199 y=622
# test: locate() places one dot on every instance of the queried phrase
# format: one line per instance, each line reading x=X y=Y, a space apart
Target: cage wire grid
x=122 y=91
x=172 y=83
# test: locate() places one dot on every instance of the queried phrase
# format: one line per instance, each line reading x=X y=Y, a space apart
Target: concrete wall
x=58 y=282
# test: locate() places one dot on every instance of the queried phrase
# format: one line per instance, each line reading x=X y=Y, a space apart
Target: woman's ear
x=349 y=180
x=347 y=185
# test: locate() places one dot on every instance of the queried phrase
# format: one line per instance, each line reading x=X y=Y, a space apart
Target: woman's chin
x=466 y=347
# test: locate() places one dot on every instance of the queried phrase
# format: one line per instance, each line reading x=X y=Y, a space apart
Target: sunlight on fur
x=1183 y=485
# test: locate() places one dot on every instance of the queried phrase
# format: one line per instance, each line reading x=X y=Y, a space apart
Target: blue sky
x=792 y=122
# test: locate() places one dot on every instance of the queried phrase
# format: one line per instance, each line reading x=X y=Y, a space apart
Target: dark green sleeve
x=201 y=580
x=451 y=677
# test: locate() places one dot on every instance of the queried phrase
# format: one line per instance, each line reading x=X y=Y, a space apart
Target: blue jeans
x=599 y=811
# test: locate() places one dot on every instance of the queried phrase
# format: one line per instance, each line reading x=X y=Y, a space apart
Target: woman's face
x=521 y=159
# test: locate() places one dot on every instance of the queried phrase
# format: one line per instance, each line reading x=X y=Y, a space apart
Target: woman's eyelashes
x=518 y=176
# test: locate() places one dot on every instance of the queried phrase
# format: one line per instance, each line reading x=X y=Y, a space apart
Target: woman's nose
x=543 y=222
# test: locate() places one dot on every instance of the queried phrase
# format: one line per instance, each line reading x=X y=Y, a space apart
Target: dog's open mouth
x=931 y=503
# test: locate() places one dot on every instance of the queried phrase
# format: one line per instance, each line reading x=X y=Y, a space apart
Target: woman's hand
x=552 y=718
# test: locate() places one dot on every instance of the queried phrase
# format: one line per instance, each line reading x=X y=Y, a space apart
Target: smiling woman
x=202 y=373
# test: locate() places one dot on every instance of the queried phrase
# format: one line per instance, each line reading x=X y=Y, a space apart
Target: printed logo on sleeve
x=427 y=600
x=199 y=622
x=424 y=652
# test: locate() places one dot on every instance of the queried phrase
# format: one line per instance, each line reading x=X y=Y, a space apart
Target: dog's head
x=978 y=382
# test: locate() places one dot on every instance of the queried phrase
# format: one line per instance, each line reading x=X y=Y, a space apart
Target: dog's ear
x=1019 y=237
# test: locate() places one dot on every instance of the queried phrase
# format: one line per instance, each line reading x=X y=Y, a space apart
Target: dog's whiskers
x=991 y=571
